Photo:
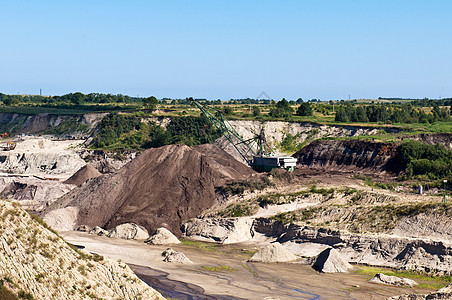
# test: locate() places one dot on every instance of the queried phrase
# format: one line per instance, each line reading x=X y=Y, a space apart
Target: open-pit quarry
x=329 y=231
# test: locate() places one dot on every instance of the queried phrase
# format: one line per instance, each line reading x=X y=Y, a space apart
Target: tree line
x=391 y=114
x=119 y=132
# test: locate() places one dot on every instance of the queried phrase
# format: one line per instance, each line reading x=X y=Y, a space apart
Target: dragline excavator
x=255 y=151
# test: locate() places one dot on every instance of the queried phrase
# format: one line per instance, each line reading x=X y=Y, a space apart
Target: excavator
x=255 y=151
x=9 y=145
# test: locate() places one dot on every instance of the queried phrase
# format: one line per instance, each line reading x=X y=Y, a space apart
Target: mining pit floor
x=223 y=272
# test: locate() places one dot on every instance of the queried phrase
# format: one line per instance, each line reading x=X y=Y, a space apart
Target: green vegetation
x=151 y=103
x=24 y=295
x=236 y=210
x=305 y=109
x=239 y=187
x=285 y=218
x=128 y=128
x=204 y=246
x=289 y=144
x=121 y=132
x=430 y=161
x=370 y=182
x=220 y=268
x=425 y=281
x=112 y=126
x=405 y=113
x=70 y=125
x=282 y=109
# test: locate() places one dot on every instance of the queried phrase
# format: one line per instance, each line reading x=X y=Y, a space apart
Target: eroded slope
x=35 y=261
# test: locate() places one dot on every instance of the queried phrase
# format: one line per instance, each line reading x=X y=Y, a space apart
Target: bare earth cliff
x=35 y=261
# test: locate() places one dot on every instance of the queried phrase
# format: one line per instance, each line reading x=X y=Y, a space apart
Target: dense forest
x=120 y=132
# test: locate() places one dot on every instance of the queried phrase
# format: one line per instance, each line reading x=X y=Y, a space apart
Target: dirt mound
x=392 y=280
x=172 y=256
x=274 y=252
x=350 y=155
x=162 y=187
x=162 y=236
x=223 y=230
x=129 y=231
x=82 y=175
x=330 y=261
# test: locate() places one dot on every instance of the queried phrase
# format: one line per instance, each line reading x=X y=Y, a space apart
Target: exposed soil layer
x=162 y=187
x=436 y=138
x=76 y=124
x=349 y=155
x=82 y=175
x=37 y=262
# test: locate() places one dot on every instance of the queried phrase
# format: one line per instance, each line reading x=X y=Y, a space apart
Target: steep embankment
x=42 y=156
x=162 y=187
x=423 y=255
x=35 y=262
x=436 y=139
x=349 y=155
x=49 y=123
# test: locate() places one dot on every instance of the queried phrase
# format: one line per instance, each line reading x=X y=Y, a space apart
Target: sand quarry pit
x=223 y=272
x=162 y=187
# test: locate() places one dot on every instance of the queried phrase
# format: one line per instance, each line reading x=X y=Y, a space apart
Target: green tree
x=151 y=103
x=7 y=101
x=256 y=111
x=227 y=110
x=282 y=109
x=305 y=109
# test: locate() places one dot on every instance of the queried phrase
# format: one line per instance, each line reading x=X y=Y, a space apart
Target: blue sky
x=228 y=49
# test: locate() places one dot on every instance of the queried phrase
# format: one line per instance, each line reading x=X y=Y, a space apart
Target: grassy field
x=424 y=280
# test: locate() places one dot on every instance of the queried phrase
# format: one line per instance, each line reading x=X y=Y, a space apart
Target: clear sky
x=228 y=49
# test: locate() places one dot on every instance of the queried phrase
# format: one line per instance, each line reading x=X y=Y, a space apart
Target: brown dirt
x=162 y=187
x=82 y=175
x=350 y=155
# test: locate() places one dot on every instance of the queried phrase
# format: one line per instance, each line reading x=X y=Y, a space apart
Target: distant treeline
x=72 y=98
x=391 y=114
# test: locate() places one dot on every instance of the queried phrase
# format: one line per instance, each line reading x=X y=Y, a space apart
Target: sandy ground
x=240 y=280
x=42 y=145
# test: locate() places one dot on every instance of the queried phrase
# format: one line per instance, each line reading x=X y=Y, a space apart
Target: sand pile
x=172 y=256
x=274 y=252
x=162 y=236
x=162 y=187
x=129 y=231
x=330 y=261
x=82 y=175
x=392 y=280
